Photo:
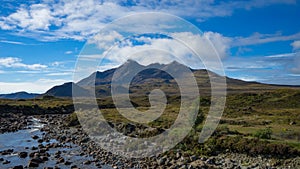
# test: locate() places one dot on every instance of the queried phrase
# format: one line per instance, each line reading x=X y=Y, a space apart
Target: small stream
x=22 y=141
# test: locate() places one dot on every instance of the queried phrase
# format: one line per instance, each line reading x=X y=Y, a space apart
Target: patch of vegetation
x=256 y=123
x=223 y=143
x=72 y=120
x=263 y=133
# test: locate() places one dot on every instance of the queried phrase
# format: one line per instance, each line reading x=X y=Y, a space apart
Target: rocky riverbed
x=49 y=143
x=30 y=148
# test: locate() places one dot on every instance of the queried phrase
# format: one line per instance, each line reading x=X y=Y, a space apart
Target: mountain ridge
x=19 y=95
x=154 y=74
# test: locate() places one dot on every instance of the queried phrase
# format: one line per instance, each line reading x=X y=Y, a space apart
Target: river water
x=22 y=141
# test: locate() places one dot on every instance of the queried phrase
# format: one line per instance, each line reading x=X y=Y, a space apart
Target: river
x=22 y=141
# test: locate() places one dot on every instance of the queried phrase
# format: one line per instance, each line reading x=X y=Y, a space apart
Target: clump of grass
x=265 y=133
x=72 y=120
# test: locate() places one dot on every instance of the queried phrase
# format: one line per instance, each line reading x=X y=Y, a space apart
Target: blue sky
x=41 y=39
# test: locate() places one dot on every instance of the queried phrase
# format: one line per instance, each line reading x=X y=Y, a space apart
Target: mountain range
x=150 y=77
x=19 y=95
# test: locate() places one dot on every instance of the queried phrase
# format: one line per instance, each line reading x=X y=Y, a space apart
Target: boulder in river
x=35 y=137
x=23 y=154
x=18 y=167
x=33 y=163
x=6 y=162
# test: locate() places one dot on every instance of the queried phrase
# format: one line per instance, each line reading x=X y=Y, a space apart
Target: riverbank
x=57 y=129
x=42 y=141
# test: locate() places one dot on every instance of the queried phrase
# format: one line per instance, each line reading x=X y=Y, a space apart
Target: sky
x=41 y=40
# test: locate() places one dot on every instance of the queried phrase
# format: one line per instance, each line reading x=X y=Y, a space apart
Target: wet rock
x=5 y=162
x=7 y=152
x=37 y=159
x=35 y=137
x=85 y=140
x=161 y=161
x=60 y=160
x=193 y=158
x=18 y=167
x=34 y=148
x=99 y=165
x=88 y=162
x=211 y=160
x=33 y=163
x=68 y=163
x=44 y=158
x=58 y=153
x=43 y=150
x=40 y=146
x=74 y=167
x=23 y=154
x=32 y=154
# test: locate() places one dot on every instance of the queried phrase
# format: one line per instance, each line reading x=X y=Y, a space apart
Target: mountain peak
x=174 y=63
x=130 y=63
x=66 y=90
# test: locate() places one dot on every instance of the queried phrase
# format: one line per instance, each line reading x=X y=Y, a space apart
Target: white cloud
x=56 y=63
x=203 y=44
x=296 y=64
x=38 y=86
x=105 y=40
x=13 y=62
x=60 y=74
x=282 y=55
x=77 y=19
x=12 y=42
x=258 y=38
x=296 y=45
x=161 y=50
x=37 y=17
x=68 y=52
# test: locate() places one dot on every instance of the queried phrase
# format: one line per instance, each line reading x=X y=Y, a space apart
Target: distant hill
x=19 y=95
x=65 y=90
x=150 y=77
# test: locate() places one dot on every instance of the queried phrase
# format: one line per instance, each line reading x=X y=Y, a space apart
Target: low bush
x=72 y=120
x=263 y=133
